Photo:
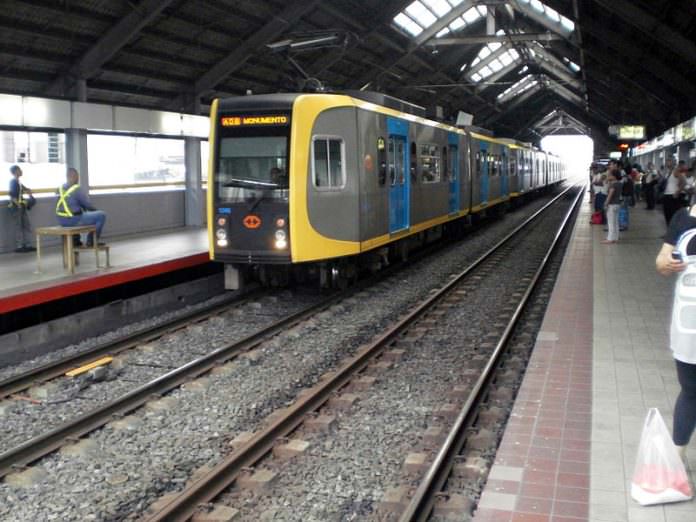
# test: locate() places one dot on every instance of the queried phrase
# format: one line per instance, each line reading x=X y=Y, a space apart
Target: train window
x=512 y=168
x=413 y=162
x=382 y=158
x=493 y=165
x=328 y=164
x=451 y=163
x=445 y=165
x=430 y=163
x=478 y=164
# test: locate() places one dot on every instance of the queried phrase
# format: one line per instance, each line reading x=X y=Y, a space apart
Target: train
x=324 y=185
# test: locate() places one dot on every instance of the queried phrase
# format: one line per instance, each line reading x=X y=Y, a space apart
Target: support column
x=76 y=154
x=194 y=198
x=81 y=90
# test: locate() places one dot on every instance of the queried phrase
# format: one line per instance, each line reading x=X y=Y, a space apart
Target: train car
x=332 y=183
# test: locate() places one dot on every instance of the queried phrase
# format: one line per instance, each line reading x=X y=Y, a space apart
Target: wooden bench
x=100 y=248
x=67 y=234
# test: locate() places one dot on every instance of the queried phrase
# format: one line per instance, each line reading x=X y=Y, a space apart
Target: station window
x=134 y=162
x=40 y=155
x=205 y=154
x=328 y=165
x=430 y=163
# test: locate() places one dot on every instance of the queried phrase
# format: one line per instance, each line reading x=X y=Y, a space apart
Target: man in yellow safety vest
x=19 y=207
x=74 y=207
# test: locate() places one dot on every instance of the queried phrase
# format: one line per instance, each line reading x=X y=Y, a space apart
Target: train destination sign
x=258 y=120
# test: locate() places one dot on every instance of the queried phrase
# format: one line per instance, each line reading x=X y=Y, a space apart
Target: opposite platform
x=132 y=258
x=600 y=361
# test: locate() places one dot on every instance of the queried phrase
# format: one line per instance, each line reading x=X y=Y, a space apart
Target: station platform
x=132 y=258
x=600 y=361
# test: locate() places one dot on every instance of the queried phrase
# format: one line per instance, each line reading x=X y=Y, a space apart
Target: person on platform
x=74 y=207
x=674 y=194
x=19 y=207
x=612 y=207
x=670 y=260
x=651 y=180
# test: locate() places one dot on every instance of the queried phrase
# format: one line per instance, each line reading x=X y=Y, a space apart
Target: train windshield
x=248 y=165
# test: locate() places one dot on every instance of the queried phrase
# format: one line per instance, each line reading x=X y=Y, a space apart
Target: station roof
x=523 y=68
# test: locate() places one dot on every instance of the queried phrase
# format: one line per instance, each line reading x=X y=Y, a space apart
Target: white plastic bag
x=659 y=476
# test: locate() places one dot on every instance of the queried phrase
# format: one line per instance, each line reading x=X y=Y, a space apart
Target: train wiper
x=247 y=183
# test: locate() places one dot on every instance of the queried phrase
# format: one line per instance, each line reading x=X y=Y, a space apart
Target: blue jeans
x=685 y=408
x=91 y=217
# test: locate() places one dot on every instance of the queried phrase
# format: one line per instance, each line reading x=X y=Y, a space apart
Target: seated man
x=74 y=208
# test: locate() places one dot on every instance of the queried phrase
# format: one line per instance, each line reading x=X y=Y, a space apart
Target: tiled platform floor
x=600 y=361
x=18 y=271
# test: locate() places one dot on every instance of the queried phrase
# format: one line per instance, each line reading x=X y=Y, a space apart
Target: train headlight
x=221 y=234
x=280 y=222
x=222 y=221
x=281 y=244
x=280 y=235
x=222 y=242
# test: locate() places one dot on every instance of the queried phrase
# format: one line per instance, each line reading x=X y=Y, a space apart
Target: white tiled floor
x=18 y=271
x=633 y=367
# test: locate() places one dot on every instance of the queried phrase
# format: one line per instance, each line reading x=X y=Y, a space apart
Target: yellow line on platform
x=87 y=367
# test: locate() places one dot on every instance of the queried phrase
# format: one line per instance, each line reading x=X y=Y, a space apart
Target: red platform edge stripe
x=60 y=291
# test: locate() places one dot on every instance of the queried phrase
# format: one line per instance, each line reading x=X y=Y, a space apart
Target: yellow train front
x=333 y=183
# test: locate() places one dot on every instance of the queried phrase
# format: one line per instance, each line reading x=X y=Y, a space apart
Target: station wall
x=126 y=213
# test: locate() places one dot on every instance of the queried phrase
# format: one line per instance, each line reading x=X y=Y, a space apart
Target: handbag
x=659 y=476
x=596 y=218
x=31 y=201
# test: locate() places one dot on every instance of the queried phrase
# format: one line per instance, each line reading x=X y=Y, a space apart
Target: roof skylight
x=573 y=66
x=422 y=14
x=492 y=58
x=518 y=88
x=551 y=14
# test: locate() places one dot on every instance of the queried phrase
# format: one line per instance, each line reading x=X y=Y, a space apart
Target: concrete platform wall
x=53 y=335
x=127 y=213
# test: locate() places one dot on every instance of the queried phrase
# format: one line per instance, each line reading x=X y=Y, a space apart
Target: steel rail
x=220 y=477
x=421 y=503
x=37 y=447
x=54 y=369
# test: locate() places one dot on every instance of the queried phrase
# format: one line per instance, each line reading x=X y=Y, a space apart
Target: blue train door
x=398 y=159
x=453 y=169
x=504 y=173
x=483 y=180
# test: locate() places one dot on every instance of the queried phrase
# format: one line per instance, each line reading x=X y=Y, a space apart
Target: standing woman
x=676 y=183
x=612 y=208
x=682 y=343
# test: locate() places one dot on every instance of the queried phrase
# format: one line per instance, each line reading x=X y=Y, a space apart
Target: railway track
x=357 y=373
x=20 y=456
x=44 y=373
x=31 y=450
x=433 y=484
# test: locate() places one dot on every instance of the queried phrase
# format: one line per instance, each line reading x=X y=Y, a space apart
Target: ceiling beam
x=506 y=38
x=643 y=59
x=251 y=45
x=558 y=28
x=109 y=44
x=652 y=27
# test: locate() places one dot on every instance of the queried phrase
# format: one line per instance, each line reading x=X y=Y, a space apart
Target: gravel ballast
x=155 y=450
